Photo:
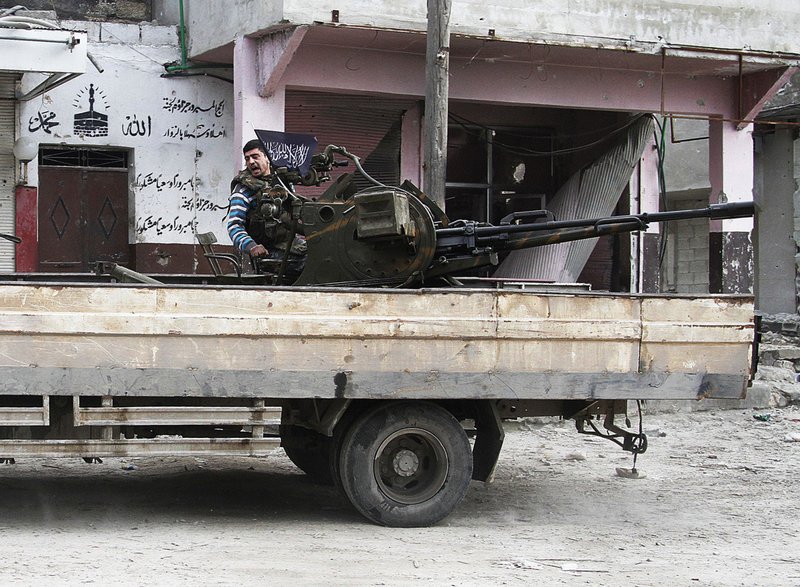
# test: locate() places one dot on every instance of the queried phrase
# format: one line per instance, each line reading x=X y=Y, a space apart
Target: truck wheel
x=405 y=464
x=310 y=451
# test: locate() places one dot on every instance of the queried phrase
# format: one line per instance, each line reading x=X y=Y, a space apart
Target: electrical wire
x=661 y=152
x=122 y=42
x=196 y=74
x=469 y=126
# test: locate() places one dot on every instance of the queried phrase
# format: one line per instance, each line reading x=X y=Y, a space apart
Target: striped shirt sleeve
x=240 y=203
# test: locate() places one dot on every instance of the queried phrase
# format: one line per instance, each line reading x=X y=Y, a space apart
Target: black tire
x=405 y=464
x=310 y=451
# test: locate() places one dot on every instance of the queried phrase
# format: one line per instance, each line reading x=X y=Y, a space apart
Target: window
x=49 y=156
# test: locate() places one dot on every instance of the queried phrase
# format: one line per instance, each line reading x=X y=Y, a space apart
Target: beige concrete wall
x=764 y=25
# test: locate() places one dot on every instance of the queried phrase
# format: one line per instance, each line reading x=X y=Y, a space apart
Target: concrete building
x=777 y=189
x=776 y=284
x=540 y=84
x=54 y=55
x=157 y=148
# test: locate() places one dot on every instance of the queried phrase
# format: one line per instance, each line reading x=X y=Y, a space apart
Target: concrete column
x=411 y=146
x=795 y=189
x=250 y=110
x=644 y=189
x=730 y=161
x=778 y=223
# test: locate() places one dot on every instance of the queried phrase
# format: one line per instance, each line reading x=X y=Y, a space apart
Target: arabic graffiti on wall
x=197 y=131
x=43 y=120
x=180 y=106
x=200 y=204
x=181 y=120
x=134 y=127
x=160 y=225
x=163 y=181
x=171 y=193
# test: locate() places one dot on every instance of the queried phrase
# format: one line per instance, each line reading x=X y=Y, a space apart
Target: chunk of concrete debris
x=575 y=456
x=630 y=473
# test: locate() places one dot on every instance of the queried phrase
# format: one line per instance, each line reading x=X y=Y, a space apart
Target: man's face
x=257 y=162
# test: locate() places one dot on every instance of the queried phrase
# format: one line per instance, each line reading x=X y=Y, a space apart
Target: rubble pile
x=779 y=358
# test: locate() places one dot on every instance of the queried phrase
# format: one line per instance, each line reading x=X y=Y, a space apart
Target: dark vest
x=263 y=227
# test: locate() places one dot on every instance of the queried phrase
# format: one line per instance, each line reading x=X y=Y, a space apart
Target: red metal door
x=83 y=218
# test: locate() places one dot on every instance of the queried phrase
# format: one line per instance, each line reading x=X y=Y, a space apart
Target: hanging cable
x=469 y=126
x=661 y=152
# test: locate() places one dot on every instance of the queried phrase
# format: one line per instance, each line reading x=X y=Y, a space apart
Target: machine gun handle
x=616 y=224
x=506 y=220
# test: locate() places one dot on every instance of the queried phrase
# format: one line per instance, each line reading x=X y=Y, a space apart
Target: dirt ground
x=719 y=504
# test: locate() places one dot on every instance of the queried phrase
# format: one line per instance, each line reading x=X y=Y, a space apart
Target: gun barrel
x=535 y=239
x=714 y=211
x=635 y=221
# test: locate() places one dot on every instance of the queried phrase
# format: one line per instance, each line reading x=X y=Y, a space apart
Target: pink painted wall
x=568 y=86
x=731 y=170
x=250 y=110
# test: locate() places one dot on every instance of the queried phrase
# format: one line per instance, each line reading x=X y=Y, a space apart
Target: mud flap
x=488 y=440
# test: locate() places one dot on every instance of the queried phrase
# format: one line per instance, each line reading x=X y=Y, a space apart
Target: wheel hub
x=405 y=463
x=411 y=466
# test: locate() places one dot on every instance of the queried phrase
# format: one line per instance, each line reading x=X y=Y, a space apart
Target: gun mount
x=386 y=236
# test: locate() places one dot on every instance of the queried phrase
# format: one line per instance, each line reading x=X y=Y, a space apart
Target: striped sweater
x=241 y=201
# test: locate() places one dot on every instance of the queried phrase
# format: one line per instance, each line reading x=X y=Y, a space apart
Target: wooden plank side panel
x=131 y=311
x=706 y=335
x=287 y=384
x=237 y=302
x=271 y=354
x=214 y=312
x=570 y=334
x=338 y=343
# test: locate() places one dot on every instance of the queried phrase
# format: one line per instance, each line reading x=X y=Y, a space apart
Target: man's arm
x=237 y=214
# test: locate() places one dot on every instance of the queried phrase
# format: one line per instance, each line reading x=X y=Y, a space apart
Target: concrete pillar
x=645 y=197
x=730 y=160
x=778 y=222
x=795 y=189
x=411 y=146
x=250 y=110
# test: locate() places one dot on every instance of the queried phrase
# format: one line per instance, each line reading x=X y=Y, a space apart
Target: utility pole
x=437 y=67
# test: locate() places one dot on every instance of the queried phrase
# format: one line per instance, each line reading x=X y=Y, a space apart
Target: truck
x=394 y=389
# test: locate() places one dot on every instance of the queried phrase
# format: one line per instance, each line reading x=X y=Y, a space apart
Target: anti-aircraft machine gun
x=385 y=236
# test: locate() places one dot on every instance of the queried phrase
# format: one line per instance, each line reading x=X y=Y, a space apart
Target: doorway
x=83 y=209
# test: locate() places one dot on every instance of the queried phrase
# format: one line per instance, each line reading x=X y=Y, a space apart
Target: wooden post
x=437 y=67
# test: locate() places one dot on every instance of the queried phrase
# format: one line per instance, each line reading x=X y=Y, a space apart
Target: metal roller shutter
x=7 y=166
x=366 y=126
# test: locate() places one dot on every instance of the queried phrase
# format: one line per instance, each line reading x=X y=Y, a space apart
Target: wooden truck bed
x=121 y=340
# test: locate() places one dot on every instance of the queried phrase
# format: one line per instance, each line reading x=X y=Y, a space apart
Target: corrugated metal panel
x=592 y=192
x=8 y=85
x=7 y=163
x=366 y=126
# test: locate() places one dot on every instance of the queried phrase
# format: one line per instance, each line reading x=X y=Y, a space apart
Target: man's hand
x=258 y=251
